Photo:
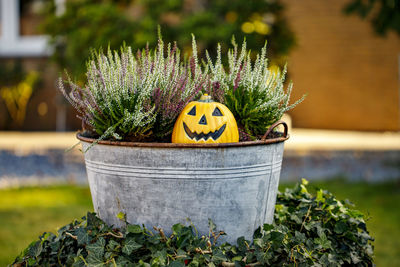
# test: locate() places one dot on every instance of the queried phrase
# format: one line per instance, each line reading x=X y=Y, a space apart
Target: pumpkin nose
x=203 y=120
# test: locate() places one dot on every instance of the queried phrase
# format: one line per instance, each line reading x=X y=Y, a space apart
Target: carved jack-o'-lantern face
x=205 y=121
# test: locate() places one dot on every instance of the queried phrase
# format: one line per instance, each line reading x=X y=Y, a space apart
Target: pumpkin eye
x=192 y=112
x=217 y=112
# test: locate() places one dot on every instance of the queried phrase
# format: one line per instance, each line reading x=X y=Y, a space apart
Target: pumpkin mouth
x=214 y=135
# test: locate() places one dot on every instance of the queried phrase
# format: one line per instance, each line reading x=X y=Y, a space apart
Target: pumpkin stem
x=205 y=98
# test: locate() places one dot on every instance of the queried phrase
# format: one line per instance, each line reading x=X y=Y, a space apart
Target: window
x=19 y=35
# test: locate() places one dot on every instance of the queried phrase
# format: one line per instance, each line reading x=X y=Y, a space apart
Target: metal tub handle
x=273 y=126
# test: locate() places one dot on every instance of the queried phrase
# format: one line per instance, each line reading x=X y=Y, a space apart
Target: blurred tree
x=16 y=88
x=89 y=24
x=384 y=14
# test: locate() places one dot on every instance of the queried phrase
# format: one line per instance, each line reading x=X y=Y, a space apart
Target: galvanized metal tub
x=161 y=184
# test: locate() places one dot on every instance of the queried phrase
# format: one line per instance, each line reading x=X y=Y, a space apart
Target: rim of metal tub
x=263 y=141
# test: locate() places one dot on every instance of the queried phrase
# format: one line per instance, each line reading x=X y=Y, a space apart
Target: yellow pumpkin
x=205 y=121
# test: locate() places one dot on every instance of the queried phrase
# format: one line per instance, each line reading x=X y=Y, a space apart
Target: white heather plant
x=138 y=97
x=135 y=97
x=255 y=95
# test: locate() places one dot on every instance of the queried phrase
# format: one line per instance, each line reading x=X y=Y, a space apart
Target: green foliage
x=89 y=24
x=384 y=15
x=85 y=24
x=217 y=21
x=322 y=229
x=308 y=231
x=254 y=93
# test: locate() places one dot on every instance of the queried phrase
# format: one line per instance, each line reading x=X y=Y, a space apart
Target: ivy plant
x=309 y=230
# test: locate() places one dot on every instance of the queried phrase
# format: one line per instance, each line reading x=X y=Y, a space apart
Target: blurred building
x=22 y=41
x=351 y=76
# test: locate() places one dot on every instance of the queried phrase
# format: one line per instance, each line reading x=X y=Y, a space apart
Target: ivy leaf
x=31 y=261
x=94 y=260
x=324 y=260
x=130 y=245
x=176 y=264
x=218 y=256
x=258 y=242
x=135 y=229
x=211 y=225
x=304 y=181
x=181 y=252
x=320 y=196
x=241 y=244
x=268 y=227
x=123 y=261
x=112 y=245
x=296 y=218
x=78 y=262
x=303 y=189
x=108 y=255
x=194 y=263
x=340 y=227
x=82 y=236
x=92 y=220
x=277 y=237
x=159 y=258
x=96 y=251
x=356 y=215
x=299 y=238
x=54 y=246
x=143 y=264
x=35 y=249
x=320 y=230
x=237 y=258
x=323 y=241
x=177 y=228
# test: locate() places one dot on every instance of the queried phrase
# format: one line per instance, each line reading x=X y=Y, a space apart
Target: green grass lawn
x=25 y=213
x=28 y=212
